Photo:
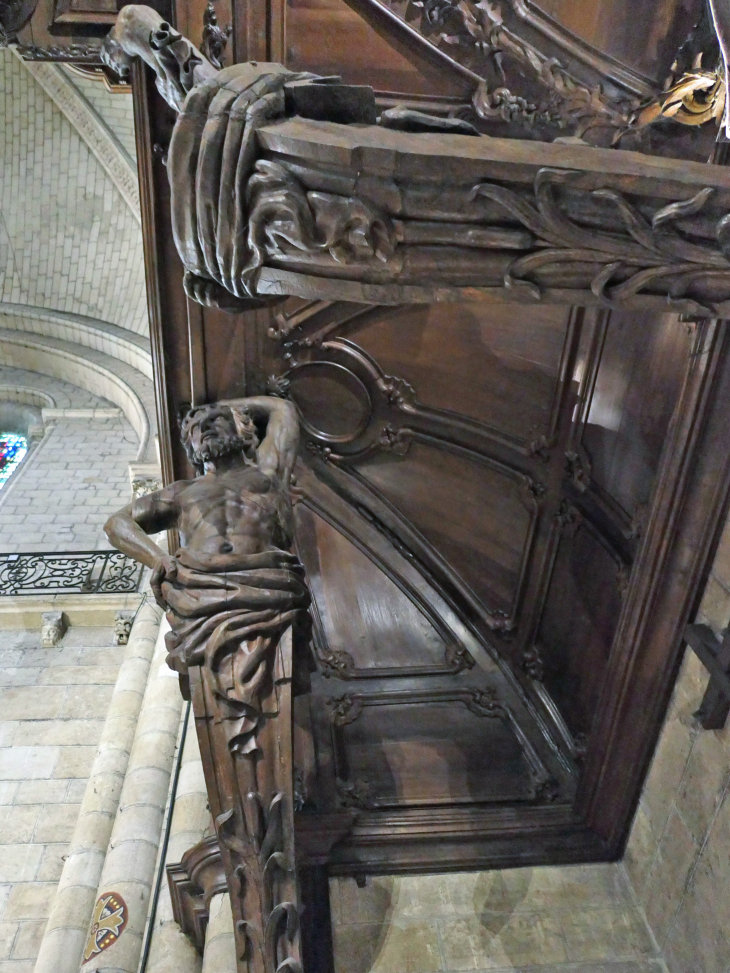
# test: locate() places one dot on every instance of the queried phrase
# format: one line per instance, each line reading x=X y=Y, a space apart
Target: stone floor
x=580 y=919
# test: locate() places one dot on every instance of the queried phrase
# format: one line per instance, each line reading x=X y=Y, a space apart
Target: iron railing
x=73 y=572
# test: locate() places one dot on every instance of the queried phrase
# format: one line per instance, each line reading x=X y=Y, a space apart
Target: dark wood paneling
x=581 y=613
x=354 y=50
x=643 y=34
x=477 y=362
x=453 y=519
x=472 y=512
x=166 y=301
x=432 y=748
x=639 y=378
x=688 y=511
x=362 y=611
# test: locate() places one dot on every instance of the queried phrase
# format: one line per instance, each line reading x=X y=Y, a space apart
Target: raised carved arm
x=277 y=451
x=178 y=64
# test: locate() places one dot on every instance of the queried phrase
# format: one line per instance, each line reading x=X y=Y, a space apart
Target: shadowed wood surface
x=505 y=510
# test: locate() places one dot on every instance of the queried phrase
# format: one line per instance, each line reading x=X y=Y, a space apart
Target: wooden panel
x=498 y=365
x=578 y=625
x=86 y=11
x=354 y=50
x=643 y=34
x=472 y=513
x=432 y=749
x=637 y=387
x=362 y=612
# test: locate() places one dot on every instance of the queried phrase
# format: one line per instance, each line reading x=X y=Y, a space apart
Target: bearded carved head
x=210 y=432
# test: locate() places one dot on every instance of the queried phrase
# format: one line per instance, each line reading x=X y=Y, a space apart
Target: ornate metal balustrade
x=74 y=572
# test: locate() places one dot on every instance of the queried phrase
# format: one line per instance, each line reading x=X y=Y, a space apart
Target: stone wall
x=78 y=474
x=114 y=108
x=678 y=855
x=52 y=708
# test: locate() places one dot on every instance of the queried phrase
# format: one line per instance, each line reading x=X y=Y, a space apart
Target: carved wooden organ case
x=506 y=510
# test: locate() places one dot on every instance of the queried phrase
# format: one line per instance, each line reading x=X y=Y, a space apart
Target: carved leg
x=252 y=802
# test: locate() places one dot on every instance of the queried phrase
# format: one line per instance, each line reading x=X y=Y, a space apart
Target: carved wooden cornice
x=576 y=224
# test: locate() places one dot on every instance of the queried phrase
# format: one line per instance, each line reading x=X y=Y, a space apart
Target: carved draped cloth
x=227 y=612
x=211 y=159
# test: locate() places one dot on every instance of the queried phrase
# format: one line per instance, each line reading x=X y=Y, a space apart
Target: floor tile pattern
x=550 y=920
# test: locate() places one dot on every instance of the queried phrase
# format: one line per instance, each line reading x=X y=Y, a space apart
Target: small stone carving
x=144 y=480
x=122 y=626
x=53 y=628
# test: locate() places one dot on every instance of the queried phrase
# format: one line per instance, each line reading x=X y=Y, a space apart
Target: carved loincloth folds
x=227 y=613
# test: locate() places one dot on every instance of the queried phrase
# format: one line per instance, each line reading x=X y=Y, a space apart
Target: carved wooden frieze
x=340 y=204
x=468 y=219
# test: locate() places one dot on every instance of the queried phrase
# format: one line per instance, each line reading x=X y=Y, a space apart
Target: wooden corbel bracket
x=193 y=883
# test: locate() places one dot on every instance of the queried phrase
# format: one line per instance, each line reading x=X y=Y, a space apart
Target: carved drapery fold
x=252 y=801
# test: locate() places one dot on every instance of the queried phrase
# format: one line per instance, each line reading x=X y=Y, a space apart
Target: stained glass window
x=12 y=449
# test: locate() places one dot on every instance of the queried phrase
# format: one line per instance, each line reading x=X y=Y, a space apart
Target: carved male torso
x=239 y=506
x=241 y=511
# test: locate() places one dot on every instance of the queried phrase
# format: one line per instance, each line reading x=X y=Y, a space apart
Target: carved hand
x=210 y=293
x=165 y=569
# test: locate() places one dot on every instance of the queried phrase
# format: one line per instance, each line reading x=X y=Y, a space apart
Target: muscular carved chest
x=237 y=502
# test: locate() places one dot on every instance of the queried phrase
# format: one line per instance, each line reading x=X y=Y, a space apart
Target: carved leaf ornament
x=647 y=253
x=475 y=34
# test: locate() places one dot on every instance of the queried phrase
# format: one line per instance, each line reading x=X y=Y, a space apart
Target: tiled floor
x=581 y=919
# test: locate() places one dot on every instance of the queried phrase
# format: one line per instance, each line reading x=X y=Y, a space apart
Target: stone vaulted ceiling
x=72 y=291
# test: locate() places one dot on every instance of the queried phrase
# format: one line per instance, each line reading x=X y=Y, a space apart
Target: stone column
x=220 y=945
x=170 y=949
x=63 y=943
x=129 y=868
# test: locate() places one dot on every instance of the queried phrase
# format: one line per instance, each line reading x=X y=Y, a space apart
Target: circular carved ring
x=334 y=403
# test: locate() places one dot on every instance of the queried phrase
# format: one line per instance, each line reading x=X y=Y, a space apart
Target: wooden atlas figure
x=288 y=184
x=237 y=605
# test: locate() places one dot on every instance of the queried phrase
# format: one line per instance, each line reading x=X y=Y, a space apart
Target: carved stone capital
x=144 y=478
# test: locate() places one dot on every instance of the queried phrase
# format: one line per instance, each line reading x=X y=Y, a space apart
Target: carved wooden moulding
x=286 y=184
x=444 y=217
